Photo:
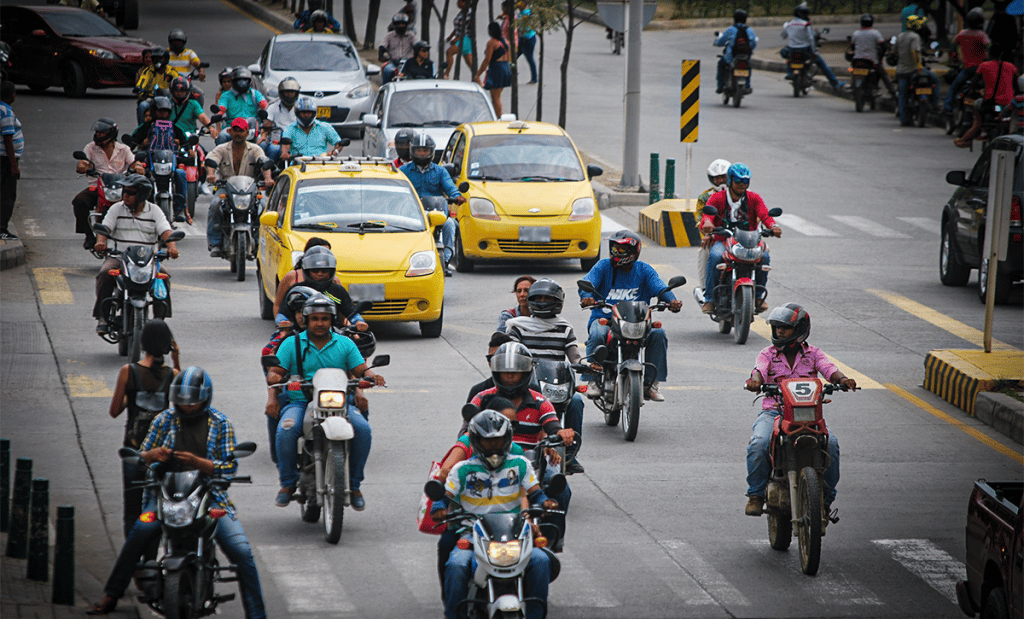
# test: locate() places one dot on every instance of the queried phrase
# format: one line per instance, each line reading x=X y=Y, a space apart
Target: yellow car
x=378 y=231
x=529 y=196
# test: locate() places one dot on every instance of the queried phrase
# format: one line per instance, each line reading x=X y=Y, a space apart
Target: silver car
x=329 y=71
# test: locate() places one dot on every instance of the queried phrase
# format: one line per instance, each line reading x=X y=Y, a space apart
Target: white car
x=436 y=107
x=328 y=69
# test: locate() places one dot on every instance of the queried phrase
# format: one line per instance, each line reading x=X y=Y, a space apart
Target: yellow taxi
x=377 y=228
x=529 y=198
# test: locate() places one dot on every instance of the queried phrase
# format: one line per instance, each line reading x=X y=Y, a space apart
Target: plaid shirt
x=220 y=443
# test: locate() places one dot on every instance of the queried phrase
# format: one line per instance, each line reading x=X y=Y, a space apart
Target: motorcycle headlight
x=332 y=399
x=359 y=92
x=422 y=263
x=504 y=554
x=113 y=194
x=140 y=274
x=163 y=168
x=242 y=201
x=555 y=393
x=747 y=254
x=482 y=209
x=633 y=330
x=180 y=513
x=583 y=209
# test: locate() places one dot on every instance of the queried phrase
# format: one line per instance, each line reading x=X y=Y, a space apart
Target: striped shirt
x=313 y=144
x=480 y=490
x=10 y=125
x=547 y=338
x=131 y=229
x=534 y=416
x=183 y=62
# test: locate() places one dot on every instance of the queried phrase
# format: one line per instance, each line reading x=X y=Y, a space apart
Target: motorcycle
x=108 y=191
x=622 y=381
x=181 y=582
x=323 y=447
x=799 y=453
x=162 y=164
x=140 y=291
x=193 y=161
x=240 y=198
x=801 y=63
x=734 y=296
x=864 y=82
x=739 y=74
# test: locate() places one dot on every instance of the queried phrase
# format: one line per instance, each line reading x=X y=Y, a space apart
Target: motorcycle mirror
x=345 y=142
x=464 y=187
x=210 y=163
x=286 y=141
x=600 y=354
x=216 y=118
x=262 y=115
x=130 y=456
x=127 y=139
x=244 y=450
x=80 y=155
x=204 y=65
x=557 y=484
x=270 y=361
x=676 y=282
x=710 y=210
x=717 y=34
x=193 y=139
x=774 y=212
x=586 y=286
x=363 y=306
x=176 y=236
x=101 y=229
x=381 y=360
x=215 y=108
x=434 y=490
x=469 y=410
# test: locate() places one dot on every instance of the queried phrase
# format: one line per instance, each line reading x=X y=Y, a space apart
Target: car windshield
x=80 y=24
x=437 y=108
x=524 y=158
x=335 y=56
x=357 y=205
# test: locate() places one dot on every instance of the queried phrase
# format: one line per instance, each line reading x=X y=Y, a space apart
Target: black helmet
x=177 y=35
x=180 y=89
x=192 y=386
x=225 y=74
x=400 y=19
x=297 y=297
x=139 y=184
x=490 y=424
x=289 y=85
x=424 y=145
x=402 y=141
x=104 y=130
x=545 y=287
x=419 y=46
x=319 y=304
x=512 y=357
x=318 y=257
x=156 y=338
x=624 y=247
x=867 y=20
x=802 y=11
x=976 y=18
x=163 y=103
x=739 y=16
x=160 y=57
x=790 y=315
x=241 y=79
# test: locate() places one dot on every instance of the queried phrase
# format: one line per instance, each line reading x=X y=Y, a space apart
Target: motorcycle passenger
x=131 y=221
x=999 y=76
x=302 y=355
x=621 y=277
x=187 y=111
x=242 y=101
x=395 y=47
x=320 y=24
x=868 y=44
x=789 y=356
x=717 y=175
x=183 y=60
x=420 y=66
x=157 y=76
x=191 y=435
x=310 y=137
x=106 y=155
x=493 y=481
x=402 y=141
x=295 y=276
x=318 y=273
x=304 y=22
x=801 y=37
x=430 y=179
x=520 y=288
x=280 y=114
x=238 y=157
x=144 y=136
x=740 y=205
x=550 y=337
x=908 y=54
x=738 y=40
x=497 y=339
x=224 y=79
x=972 y=43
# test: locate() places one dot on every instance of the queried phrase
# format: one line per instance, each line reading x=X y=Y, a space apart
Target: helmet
x=402 y=141
x=156 y=337
x=318 y=15
x=419 y=46
x=319 y=304
x=177 y=35
x=624 y=247
x=545 y=288
x=976 y=18
x=297 y=297
x=738 y=172
x=916 y=22
x=160 y=57
x=241 y=79
x=305 y=104
x=718 y=167
x=180 y=89
x=289 y=85
x=139 y=184
x=191 y=386
x=490 y=424
x=867 y=20
x=802 y=11
x=739 y=16
x=318 y=257
x=163 y=103
x=422 y=144
x=103 y=130
x=512 y=357
x=400 y=19
x=790 y=315
x=225 y=74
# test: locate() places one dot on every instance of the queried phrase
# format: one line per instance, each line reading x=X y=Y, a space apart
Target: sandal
x=103 y=607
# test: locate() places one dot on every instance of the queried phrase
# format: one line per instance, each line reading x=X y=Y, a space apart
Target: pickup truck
x=995 y=552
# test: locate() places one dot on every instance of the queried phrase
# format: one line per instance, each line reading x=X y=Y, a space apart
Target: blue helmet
x=192 y=386
x=305 y=104
x=738 y=172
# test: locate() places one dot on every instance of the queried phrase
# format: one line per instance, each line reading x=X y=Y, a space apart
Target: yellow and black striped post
x=689 y=101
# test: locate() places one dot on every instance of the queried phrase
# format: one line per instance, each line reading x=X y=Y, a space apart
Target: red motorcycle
x=108 y=191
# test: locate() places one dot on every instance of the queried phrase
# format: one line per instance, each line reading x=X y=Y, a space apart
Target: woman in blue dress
x=496 y=63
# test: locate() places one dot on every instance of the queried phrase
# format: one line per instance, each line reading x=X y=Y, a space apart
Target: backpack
x=161 y=135
x=147 y=405
x=741 y=45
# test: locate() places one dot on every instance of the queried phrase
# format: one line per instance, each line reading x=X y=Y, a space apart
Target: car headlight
x=332 y=399
x=582 y=209
x=422 y=263
x=504 y=554
x=359 y=92
x=633 y=330
x=482 y=208
x=747 y=254
x=163 y=168
x=555 y=393
x=180 y=513
x=140 y=275
x=105 y=54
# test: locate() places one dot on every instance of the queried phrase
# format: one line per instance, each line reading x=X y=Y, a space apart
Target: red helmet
x=180 y=89
x=624 y=247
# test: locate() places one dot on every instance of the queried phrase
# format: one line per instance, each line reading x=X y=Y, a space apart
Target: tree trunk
x=425 y=20
x=350 y=27
x=514 y=66
x=373 y=8
x=563 y=95
x=540 y=75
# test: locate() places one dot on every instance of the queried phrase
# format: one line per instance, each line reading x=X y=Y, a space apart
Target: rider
x=238 y=157
x=430 y=179
x=242 y=101
x=789 y=356
x=402 y=141
x=717 y=172
x=319 y=23
x=740 y=205
x=395 y=47
x=868 y=44
x=106 y=155
x=144 y=135
x=909 y=63
x=319 y=267
x=131 y=221
x=622 y=277
x=183 y=60
x=301 y=356
x=999 y=76
x=801 y=37
x=309 y=137
x=972 y=42
x=303 y=22
x=280 y=114
x=420 y=66
x=491 y=482
x=159 y=75
x=520 y=288
x=191 y=435
x=187 y=110
x=738 y=40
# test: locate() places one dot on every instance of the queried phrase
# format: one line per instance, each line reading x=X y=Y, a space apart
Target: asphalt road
x=656 y=527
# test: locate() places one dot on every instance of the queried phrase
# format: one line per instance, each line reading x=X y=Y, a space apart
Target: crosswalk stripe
x=576 y=586
x=829 y=587
x=801 y=225
x=925 y=223
x=422 y=582
x=928 y=562
x=291 y=568
x=710 y=580
x=871 y=227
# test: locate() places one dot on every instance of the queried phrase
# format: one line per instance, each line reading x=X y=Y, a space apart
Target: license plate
x=741 y=73
x=366 y=292
x=922 y=91
x=861 y=71
x=535 y=234
x=796 y=66
x=323 y=111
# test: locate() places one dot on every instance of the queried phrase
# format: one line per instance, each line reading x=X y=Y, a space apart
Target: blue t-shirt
x=313 y=144
x=639 y=283
x=340 y=353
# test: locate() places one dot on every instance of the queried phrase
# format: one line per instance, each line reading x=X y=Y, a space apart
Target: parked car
x=436 y=107
x=69 y=47
x=328 y=69
x=995 y=552
x=963 y=224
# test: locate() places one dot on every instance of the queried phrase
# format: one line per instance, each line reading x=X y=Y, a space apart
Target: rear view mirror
x=381 y=360
x=710 y=210
x=469 y=410
x=101 y=229
x=463 y=187
x=176 y=236
x=586 y=286
x=594 y=170
x=244 y=450
x=270 y=361
x=434 y=490
x=363 y=306
x=774 y=212
x=676 y=282
x=80 y=155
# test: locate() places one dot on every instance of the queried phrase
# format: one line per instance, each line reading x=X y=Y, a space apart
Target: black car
x=963 y=223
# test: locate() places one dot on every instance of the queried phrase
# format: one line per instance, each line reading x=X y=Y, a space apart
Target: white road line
x=801 y=225
x=710 y=579
x=305 y=578
x=32 y=228
x=928 y=562
x=609 y=226
x=829 y=587
x=871 y=227
x=676 y=578
x=925 y=223
x=420 y=579
x=576 y=586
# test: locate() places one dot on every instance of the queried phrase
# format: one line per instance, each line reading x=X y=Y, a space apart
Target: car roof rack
x=344 y=159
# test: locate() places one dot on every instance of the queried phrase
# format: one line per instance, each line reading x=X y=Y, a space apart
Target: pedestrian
x=11 y=149
x=459 y=41
x=496 y=63
x=526 y=45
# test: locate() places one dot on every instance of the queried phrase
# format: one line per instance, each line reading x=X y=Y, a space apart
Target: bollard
x=17 y=537
x=64 y=557
x=655 y=193
x=5 y=484
x=38 y=567
x=670 y=178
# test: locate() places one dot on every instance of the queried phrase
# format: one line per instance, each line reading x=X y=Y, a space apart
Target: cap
x=240 y=123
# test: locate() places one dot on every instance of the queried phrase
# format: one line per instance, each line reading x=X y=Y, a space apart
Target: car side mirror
x=371 y=120
x=255 y=69
x=436 y=218
x=594 y=170
x=372 y=69
x=957 y=177
x=269 y=219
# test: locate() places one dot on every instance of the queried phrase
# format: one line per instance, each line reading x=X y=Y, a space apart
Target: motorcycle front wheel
x=240 y=250
x=135 y=345
x=179 y=595
x=808 y=518
x=632 y=398
x=191 y=194
x=611 y=413
x=744 y=314
x=334 y=495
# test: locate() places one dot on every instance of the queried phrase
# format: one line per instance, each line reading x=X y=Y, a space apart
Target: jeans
x=8 y=193
x=526 y=46
x=214 y=238
x=657 y=351
x=905 y=81
x=445 y=545
x=712 y=274
x=232 y=541
x=818 y=60
x=273 y=151
x=461 y=565
x=759 y=466
x=962 y=78
x=448 y=238
x=289 y=429
x=723 y=73
x=388 y=71
x=180 y=187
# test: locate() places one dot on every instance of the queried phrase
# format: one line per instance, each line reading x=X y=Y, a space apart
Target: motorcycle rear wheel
x=240 y=250
x=631 y=401
x=737 y=91
x=858 y=100
x=808 y=516
x=179 y=595
x=798 y=84
x=922 y=114
x=335 y=485
x=780 y=529
x=744 y=314
x=725 y=97
x=138 y=321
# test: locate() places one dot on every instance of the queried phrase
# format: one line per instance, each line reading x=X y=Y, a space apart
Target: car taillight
x=1015 y=211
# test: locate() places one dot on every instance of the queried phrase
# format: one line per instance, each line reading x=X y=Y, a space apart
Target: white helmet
x=718 y=167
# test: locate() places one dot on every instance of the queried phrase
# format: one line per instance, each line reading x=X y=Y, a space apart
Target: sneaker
x=358 y=502
x=755 y=506
x=708 y=308
x=102 y=328
x=7 y=235
x=698 y=296
x=179 y=217
x=284 y=497
x=651 y=393
x=447 y=272
x=216 y=251
x=748 y=90
x=789 y=77
x=574 y=467
x=593 y=390
x=839 y=85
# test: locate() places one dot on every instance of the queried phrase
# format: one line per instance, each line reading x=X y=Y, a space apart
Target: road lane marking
x=306 y=579
x=248 y=16
x=941 y=321
x=53 y=286
x=178 y=286
x=609 y=226
x=710 y=579
x=578 y=586
x=996 y=445
x=829 y=587
x=82 y=386
x=925 y=223
x=675 y=577
x=801 y=225
x=928 y=562
x=863 y=381
x=866 y=225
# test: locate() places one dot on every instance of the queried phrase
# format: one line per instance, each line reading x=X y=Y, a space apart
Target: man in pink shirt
x=789 y=356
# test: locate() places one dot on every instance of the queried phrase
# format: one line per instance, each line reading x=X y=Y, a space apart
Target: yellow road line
x=863 y=381
x=53 y=286
x=82 y=386
x=941 y=321
x=913 y=399
x=258 y=21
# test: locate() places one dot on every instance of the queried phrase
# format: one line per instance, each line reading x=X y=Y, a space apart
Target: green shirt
x=340 y=352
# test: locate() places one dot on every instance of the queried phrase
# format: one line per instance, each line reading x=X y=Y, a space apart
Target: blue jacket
x=435 y=181
x=639 y=283
x=727 y=38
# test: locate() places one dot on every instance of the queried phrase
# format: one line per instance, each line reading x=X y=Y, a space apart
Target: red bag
x=424 y=522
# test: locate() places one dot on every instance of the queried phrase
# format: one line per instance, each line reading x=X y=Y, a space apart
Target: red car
x=69 y=47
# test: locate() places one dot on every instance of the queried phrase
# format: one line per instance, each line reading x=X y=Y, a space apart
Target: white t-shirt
x=146 y=227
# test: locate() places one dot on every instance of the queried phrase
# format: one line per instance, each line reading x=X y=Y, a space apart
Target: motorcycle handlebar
x=828 y=389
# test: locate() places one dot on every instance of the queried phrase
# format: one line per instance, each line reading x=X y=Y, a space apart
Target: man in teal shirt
x=242 y=101
x=308 y=136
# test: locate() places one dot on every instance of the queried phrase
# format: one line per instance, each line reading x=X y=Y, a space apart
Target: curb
x=966 y=379
x=1003 y=413
x=12 y=254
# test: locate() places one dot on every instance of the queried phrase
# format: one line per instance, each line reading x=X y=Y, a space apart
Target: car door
x=970 y=203
x=33 y=47
x=271 y=237
x=374 y=138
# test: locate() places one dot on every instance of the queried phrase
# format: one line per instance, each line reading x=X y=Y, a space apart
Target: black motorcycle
x=160 y=170
x=802 y=65
x=240 y=199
